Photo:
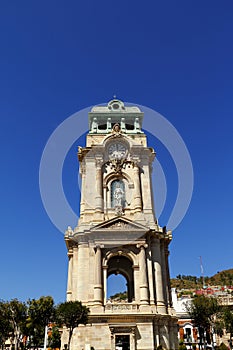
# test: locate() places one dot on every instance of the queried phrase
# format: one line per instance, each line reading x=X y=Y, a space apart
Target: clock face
x=117 y=150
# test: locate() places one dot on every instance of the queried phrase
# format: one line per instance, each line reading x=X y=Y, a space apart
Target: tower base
x=125 y=332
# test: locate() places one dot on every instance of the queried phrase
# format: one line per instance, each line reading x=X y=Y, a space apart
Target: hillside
x=222 y=278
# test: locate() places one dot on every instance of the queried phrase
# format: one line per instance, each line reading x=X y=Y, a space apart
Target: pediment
x=120 y=224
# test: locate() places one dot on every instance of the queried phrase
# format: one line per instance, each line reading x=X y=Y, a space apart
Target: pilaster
x=83 y=272
x=70 y=273
x=98 y=288
x=155 y=247
x=99 y=184
x=75 y=273
x=137 y=190
x=143 y=275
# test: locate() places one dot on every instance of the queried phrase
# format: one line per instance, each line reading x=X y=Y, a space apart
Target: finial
x=114 y=96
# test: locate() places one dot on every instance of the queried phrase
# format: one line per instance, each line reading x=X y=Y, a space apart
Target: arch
x=116 y=252
x=110 y=177
x=188 y=324
x=127 y=186
x=120 y=264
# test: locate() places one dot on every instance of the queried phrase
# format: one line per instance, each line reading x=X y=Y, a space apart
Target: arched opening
x=121 y=265
x=117 y=287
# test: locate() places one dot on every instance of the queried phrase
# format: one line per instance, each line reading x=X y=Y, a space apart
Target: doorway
x=122 y=342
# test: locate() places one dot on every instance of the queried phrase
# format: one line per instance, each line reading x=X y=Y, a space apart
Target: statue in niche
x=116 y=129
x=118 y=195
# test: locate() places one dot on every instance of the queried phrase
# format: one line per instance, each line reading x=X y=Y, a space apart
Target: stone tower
x=118 y=233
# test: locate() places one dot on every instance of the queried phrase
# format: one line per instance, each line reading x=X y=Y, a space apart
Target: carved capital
x=142 y=245
x=99 y=162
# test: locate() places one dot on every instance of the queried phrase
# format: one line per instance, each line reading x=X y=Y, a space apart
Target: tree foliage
x=12 y=320
x=228 y=321
x=17 y=314
x=119 y=296
x=71 y=314
x=19 y=319
x=40 y=313
x=5 y=325
x=204 y=310
x=54 y=339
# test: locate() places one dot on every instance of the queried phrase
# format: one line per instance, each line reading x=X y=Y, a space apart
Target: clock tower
x=118 y=233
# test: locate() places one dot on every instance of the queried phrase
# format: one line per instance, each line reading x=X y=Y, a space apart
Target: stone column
x=156 y=329
x=137 y=190
x=136 y=274
x=105 y=270
x=150 y=278
x=105 y=197
x=168 y=276
x=173 y=336
x=70 y=273
x=123 y=124
x=155 y=247
x=99 y=192
x=74 y=272
x=132 y=339
x=165 y=335
x=98 y=288
x=143 y=275
x=81 y=273
x=83 y=177
x=109 y=125
x=164 y=272
x=112 y=338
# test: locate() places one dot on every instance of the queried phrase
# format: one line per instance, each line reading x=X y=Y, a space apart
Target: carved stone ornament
x=117 y=165
x=119 y=210
x=120 y=225
x=116 y=129
x=69 y=231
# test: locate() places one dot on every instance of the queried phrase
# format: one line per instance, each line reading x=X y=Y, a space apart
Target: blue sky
x=58 y=57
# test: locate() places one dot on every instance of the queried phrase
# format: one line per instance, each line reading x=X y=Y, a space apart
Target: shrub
x=181 y=345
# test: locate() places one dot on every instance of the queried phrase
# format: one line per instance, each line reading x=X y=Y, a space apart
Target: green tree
x=181 y=345
x=71 y=314
x=228 y=321
x=17 y=313
x=54 y=339
x=40 y=313
x=5 y=325
x=219 y=327
x=204 y=310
